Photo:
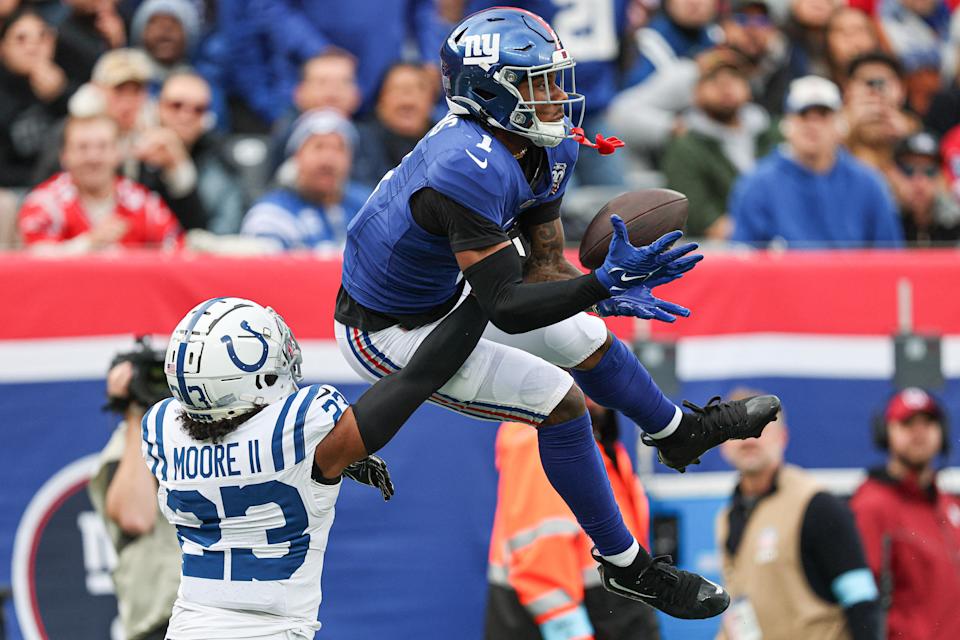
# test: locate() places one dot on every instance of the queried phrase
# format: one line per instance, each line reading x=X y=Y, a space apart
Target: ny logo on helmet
x=482 y=49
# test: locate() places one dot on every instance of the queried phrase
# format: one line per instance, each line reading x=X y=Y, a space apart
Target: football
x=648 y=214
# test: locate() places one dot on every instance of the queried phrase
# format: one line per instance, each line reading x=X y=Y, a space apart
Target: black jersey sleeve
x=545 y=212
x=444 y=216
x=835 y=565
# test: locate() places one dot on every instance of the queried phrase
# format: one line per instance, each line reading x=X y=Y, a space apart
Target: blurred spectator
x=7 y=7
x=314 y=210
x=90 y=28
x=33 y=94
x=327 y=81
x=850 y=33
x=806 y=29
x=682 y=29
x=149 y=154
x=647 y=113
x=725 y=134
x=595 y=34
x=291 y=32
x=749 y=28
x=810 y=192
x=792 y=558
x=402 y=117
x=910 y=529
x=950 y=150
x=169 y=32
x=944 y=112
x=87 y=207
x=117 y=89
x=542 y=578
x=876 y=121
x=917 y=31
x=251 y=87
x=184 y=109
x=124 y=493
x=929 y=213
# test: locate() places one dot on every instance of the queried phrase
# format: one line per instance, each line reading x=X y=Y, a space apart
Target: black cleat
x=714 y=423
x=677 y=593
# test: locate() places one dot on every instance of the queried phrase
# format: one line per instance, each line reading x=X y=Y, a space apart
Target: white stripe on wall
x=699 y=358
x=789 y=355
x=719 y=484
x=88 y=358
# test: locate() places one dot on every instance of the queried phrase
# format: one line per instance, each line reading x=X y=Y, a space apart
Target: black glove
x=372 y=470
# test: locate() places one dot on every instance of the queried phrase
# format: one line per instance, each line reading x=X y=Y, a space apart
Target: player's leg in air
x=498 y=163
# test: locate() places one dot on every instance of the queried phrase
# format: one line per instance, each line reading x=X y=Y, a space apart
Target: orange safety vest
x=537 y=548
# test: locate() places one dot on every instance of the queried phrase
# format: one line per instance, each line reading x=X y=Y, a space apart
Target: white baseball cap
x=812 y=91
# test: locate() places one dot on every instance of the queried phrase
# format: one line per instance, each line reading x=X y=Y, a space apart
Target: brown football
x=648 y=214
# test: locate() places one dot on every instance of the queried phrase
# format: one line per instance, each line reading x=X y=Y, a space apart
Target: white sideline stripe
x=719 y=484
x=699 y=358
x=789 y=355
x=88 y=358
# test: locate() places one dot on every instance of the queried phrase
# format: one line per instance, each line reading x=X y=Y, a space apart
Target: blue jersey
x=391 y=264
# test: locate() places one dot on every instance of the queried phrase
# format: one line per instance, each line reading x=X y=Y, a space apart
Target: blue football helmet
x=486 y=58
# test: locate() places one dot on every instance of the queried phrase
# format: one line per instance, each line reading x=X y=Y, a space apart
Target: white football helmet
x=230 y=355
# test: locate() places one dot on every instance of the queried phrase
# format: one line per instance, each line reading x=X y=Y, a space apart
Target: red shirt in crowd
x=53 y=212
x=912 y=537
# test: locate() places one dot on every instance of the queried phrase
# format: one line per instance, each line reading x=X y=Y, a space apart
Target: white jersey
x=252 y=524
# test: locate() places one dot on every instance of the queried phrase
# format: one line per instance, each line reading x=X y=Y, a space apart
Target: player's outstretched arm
x=495 y=275
x=373 y=420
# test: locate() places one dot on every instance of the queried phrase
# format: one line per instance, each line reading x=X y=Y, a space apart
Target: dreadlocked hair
x=217 y=430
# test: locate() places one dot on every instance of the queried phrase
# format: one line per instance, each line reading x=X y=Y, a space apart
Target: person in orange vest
x=543 y=582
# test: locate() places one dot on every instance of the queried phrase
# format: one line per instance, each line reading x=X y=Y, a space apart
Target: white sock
x=670 y=428
x=625 y=558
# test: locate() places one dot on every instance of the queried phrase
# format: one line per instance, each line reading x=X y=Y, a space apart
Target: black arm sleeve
x=515 y=306
x=384 y=407
x=546 y=212
x=830 y=546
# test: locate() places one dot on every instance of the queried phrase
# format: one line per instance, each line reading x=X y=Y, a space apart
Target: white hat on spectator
x=87 y=101
x=318 y=122
x=812 y=91
x=121 y=65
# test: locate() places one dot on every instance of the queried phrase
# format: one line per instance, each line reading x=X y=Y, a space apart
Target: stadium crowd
x=261 y=126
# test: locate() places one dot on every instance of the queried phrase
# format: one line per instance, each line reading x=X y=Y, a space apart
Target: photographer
x=124 y=492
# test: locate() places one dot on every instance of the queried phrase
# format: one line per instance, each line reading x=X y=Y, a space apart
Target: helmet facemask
x=290 y=355
x=524 y=120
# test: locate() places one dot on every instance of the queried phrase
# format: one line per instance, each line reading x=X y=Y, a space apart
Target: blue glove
x=640 y=302
x=628 y=266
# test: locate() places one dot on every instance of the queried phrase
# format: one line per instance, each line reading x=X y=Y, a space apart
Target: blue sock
x=573 y=465
x=620 y=382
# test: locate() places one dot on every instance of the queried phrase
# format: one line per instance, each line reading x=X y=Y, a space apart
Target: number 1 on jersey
x=485 y=143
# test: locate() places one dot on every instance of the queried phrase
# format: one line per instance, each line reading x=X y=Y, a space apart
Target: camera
x=149 y=382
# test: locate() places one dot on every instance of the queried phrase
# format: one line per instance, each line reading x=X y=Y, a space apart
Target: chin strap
x=604 y=146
